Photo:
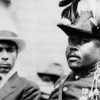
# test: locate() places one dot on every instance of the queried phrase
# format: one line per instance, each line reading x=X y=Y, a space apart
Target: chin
x=74 y=67
x=73 y=64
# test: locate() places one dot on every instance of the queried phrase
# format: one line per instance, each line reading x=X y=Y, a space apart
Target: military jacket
x=71 y=87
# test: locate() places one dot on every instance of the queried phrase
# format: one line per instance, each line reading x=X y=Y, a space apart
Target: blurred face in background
x=8 y=55
x=82 y=52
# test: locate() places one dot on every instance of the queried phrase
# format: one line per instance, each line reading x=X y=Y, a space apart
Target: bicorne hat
x=84 y=26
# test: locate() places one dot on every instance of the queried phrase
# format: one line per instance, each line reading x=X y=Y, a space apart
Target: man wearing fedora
x=12 y=87
x=48 y=78
x=81 y=25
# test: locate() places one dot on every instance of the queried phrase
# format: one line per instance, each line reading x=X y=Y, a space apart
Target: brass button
x=65 y=89
x=77 y=77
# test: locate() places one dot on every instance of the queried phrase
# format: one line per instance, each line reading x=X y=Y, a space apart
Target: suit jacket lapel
x=9 y=87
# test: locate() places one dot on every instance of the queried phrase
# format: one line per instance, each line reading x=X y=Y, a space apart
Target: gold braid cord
x=93 y=93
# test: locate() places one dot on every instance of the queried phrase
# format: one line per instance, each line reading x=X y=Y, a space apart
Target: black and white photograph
x=49 y=50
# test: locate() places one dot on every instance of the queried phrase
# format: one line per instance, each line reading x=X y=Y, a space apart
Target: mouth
x=5 y=68
x=73 y=58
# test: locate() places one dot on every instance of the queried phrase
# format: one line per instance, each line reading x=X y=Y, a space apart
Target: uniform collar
x=91 y=70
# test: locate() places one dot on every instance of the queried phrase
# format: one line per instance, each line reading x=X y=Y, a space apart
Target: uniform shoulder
x=60 y=81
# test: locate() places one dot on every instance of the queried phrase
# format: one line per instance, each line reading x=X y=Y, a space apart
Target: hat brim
x=20 y=43
x=72 y=31
x=48 y=74
x=53 y=77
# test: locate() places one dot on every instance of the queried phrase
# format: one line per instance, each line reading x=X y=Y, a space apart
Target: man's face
x=82 y=52
x=8 y=54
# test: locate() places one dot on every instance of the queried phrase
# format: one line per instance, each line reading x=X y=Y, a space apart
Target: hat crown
x=10 y=36
x=84 y=22
x=54 y=69
x=7 y=34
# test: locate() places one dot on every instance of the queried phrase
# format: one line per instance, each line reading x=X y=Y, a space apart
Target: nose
x=73 y=48
x=4 y=59
x=4 y=55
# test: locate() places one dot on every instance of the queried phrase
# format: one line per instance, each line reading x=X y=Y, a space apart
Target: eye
x=10 y=49
x=71 y=40
x=1 y=49
x=85 y=40
x=79 y=40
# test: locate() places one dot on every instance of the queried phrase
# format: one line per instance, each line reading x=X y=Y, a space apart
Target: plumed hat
x=80 y=19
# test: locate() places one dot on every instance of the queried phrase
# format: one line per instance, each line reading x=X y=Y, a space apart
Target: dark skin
x=82 y=53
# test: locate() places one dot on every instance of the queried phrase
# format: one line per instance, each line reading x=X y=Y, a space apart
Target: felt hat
x=10 y=36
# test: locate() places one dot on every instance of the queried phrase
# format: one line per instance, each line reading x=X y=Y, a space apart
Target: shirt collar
x=6 y=77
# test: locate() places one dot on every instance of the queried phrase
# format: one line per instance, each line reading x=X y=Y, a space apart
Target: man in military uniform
x=82 y=54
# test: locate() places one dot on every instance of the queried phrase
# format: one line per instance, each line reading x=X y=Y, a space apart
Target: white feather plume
x=90 y=5
x=95 y=7
x=83 y=6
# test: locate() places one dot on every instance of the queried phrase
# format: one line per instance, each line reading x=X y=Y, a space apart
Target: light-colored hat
x=8 y=30
x=54 y=69
x=7 y=35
